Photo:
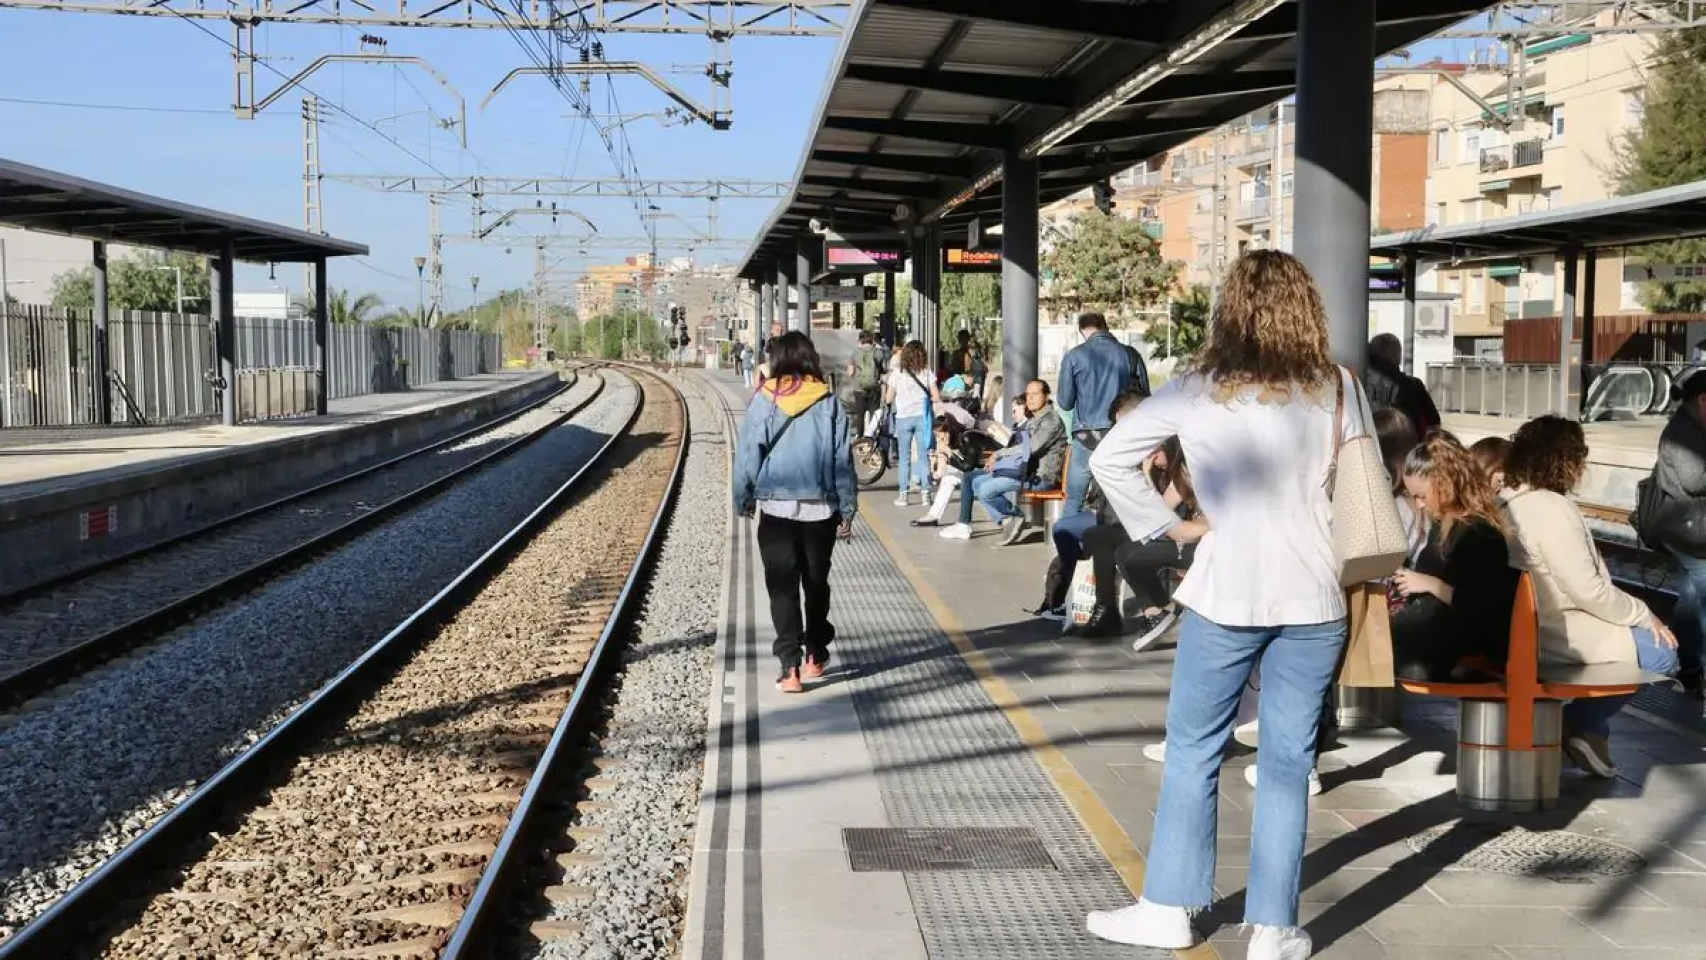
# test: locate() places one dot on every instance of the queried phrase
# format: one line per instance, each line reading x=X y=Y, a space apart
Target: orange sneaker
x=789 y=681
x=815 y=666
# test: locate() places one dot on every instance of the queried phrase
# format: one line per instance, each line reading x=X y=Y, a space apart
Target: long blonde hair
x=1269 y=330
x=1464 y=491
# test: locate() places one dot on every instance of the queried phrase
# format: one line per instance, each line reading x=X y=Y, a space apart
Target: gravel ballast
x=642 y=837
x=85 y=770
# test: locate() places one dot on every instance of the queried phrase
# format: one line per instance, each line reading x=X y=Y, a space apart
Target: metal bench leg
x=1367 y=708
x=1494 y=779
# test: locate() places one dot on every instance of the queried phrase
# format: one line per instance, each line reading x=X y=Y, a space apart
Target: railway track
x=387 y=814
x=58 y=630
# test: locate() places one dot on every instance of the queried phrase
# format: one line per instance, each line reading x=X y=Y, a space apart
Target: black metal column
x=1590 y=267
x=1335 y=122
x=322 y=331
x=886 y=327
x=1567 y=331
x=766 y=310
x=859 y=304
x=103 y=387
x=1409 y=280
x=1019 y=226
x=802 y=289
x=225 y=332
x=779 y=312
x=929 y=293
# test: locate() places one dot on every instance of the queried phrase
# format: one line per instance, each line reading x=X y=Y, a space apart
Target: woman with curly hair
x=1458 y=590
x=1584 y=617
x=1256 y=418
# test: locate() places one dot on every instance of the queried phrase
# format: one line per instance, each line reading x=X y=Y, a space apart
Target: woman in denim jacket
x=794 y=470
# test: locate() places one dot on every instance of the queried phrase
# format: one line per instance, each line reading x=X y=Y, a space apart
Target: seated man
x=1032 y=460
x=1069 y=530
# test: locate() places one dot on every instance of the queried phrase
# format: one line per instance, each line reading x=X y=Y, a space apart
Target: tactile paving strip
x=947 y=758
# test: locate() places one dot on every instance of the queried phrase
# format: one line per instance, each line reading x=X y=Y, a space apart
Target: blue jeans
x=914 y=436
x=1594 y=715
x=1209 y=673
x=999 y=495
x=1069 y=541
x=1688 y=620
x=1077 y=480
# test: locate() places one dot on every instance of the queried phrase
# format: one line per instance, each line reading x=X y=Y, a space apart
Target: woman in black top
x=1455 y=599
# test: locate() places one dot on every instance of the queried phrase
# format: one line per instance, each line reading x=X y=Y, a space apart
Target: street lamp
x=420 y=289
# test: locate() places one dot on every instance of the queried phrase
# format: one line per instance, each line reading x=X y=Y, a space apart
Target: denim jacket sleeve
x=841 y=463
x=748 y=452
x=1068 y=379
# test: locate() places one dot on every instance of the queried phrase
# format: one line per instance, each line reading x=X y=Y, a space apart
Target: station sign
x=1385 y=279
x=961 y=260
x=843 y=257
x=836 y=293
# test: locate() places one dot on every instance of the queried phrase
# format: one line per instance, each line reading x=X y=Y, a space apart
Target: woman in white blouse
x=1255 y=417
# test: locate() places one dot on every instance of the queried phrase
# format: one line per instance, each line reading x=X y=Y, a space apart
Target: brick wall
x=1401 y=182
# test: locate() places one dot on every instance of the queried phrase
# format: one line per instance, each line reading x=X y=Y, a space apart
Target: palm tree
x=341 y=309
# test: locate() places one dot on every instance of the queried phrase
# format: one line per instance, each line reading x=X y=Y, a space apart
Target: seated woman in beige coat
x=1584 y=617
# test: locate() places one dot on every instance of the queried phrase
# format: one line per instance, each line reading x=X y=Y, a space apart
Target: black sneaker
x=925 y=522
x=1149 y=628
x=1057 y=614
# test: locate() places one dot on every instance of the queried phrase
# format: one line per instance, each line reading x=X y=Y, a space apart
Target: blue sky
x=181 y=140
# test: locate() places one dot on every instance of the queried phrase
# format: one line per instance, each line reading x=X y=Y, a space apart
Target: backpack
x=870 y=375
x=1649 y=505
x=1139 y=379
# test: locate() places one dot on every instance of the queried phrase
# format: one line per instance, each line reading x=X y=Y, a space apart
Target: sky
x=145 y=103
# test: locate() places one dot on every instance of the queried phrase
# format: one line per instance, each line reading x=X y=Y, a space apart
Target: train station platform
x=74 y=493
x=967 y=782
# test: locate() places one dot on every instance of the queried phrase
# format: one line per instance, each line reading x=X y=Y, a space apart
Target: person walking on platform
x=1092 y=374
x=913 y=393
x=1389 y=386
x=794 y=469
x=1256 y=416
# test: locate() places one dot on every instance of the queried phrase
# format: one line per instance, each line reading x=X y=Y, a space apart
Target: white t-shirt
x=1259 y=470
x=909 y=393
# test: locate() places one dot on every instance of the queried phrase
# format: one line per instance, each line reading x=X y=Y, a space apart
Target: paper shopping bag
x=1368 y=648
x=1080 y=597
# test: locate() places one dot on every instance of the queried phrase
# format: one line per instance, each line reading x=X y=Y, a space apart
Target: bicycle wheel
x=870 y=460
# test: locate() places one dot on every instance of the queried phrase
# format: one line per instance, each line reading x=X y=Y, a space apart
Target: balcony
x=1257 y=209
x=1507 y=158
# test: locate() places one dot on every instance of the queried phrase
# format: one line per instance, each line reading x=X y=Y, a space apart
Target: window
x=1472 y=142
x=1634 y=106
x=1558 y=122
x=1554 y=197
x=1436 y=214
x=1472 y=210
x=1442 y=147
x=1477 y=293
x=1205 y=200
x=1286 y=185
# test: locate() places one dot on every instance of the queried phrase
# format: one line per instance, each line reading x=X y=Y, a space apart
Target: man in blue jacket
x=1092 y=374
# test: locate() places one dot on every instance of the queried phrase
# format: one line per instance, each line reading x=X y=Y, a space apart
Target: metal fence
x=1519 y=390
x=164 y=368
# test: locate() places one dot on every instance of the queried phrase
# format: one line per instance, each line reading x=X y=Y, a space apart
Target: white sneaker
x=1144 y=924
x=959 y=531
x=1247 y=734
x=1156 y=752
x=1314 y=791
x=901 y=500
x=1280 y=943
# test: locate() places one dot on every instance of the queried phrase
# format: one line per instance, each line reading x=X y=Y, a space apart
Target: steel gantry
x=724 y=18
x=567 y=186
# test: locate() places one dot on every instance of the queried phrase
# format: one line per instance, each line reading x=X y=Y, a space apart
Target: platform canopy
x=38 y=199
x=1670 y=213
x=925 y=97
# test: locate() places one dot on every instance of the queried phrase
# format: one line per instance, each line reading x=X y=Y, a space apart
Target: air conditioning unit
x=1432 y=317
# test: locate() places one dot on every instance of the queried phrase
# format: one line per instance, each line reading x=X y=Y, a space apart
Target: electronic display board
x=961 y=260
x=848 y=258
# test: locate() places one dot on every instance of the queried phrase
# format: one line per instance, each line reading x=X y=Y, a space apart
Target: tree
x=342 y=308
x=1667 y=148
x=1186 y=327
x=147 y=281
x=1111 y=265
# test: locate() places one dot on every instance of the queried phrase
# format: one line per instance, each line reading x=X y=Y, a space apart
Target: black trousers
x=1142 y=564
x=796 y=556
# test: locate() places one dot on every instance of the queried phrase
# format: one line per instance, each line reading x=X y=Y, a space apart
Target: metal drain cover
x=1552 y=855
x=922 y=850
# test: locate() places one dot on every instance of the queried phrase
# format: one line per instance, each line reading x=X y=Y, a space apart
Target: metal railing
x=1257 y=209
x=1511 y=156
x=164 y=370
x=1494 y=389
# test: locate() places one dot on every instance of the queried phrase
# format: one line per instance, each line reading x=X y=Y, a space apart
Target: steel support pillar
x=322 y=329
x=1019 y=226
x=886 y=325
x=1409 y=275
x=929 y=273
x=802 y=289
x=225 y=332
x=766 y=309
x=103 y=386
x=859 y=304
x=1590 y=267
x=1335 y=124
x=779 y=310
x=1566 y=331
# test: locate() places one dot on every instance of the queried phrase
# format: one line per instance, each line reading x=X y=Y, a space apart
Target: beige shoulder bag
x=1368 y=535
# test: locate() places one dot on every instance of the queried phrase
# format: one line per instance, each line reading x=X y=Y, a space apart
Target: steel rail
x=103 y=896
x=483 y=920
x=106 y=563
x=50 y=671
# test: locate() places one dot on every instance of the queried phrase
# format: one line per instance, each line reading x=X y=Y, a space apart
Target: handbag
x=1368 y=537
x=1368 y=660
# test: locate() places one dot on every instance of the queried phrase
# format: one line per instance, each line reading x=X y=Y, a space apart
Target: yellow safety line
x=1116 y=845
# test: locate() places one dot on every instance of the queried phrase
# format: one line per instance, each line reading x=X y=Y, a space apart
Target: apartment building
x=606 y=288
x=1531 y=134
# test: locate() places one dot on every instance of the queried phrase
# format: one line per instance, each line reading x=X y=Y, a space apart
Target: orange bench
x=1510 y=729
x=1043 y=507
